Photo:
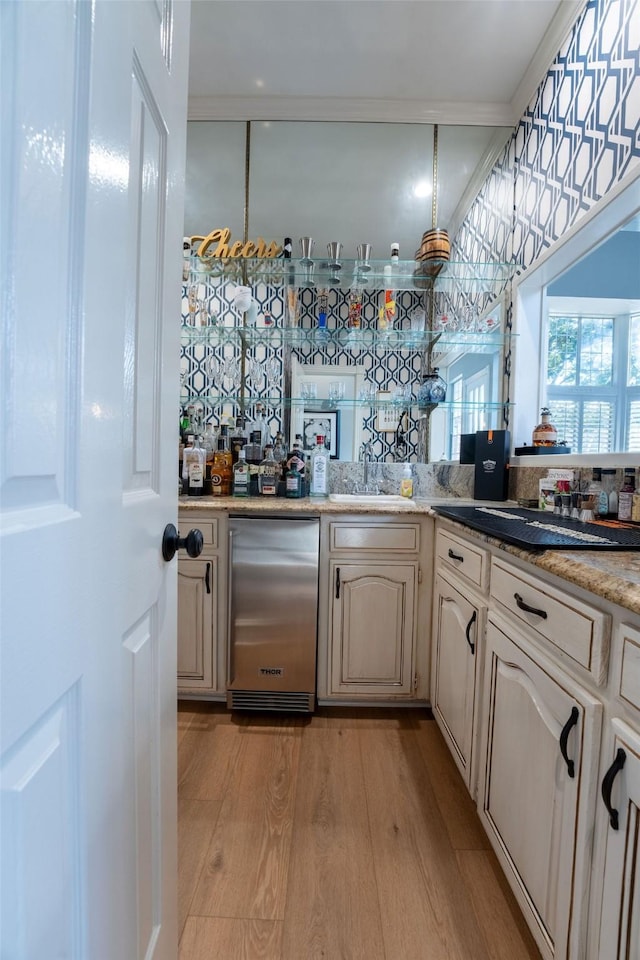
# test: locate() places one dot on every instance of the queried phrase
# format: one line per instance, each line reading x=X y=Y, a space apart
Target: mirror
x=354 y=183
x=329 y=393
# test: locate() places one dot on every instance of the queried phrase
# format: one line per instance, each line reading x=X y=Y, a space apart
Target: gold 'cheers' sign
x=225 y=250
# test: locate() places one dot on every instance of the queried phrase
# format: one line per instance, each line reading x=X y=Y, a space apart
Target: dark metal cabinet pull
x=607 y=786
x=468 y=631
x=207 y=582
x=525 y=606
x=455 y=556
x=337 y=583
x=564 y=736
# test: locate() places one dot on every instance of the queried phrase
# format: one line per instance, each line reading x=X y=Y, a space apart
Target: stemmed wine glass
x=272 y=371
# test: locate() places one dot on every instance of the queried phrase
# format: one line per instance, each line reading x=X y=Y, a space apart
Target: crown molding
x=351 y=109
x=557 y=32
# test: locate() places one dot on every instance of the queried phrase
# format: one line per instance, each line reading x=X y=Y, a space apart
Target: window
x=593 y=381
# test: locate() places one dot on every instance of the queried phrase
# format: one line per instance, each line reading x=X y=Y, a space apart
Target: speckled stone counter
x=612 y=575
x=303 y=505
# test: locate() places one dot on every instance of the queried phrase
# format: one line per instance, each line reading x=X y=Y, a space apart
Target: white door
x=93 y=129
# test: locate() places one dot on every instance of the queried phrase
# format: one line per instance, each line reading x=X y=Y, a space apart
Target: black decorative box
x=491 y=475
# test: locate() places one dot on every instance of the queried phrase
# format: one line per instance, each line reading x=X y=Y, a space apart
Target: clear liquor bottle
x=240 y=476
x=319 y=469
x=268 y=476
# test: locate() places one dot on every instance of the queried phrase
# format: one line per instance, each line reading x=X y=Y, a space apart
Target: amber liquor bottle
x=545 y=433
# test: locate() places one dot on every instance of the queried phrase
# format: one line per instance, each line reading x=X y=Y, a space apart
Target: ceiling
x=446 y=61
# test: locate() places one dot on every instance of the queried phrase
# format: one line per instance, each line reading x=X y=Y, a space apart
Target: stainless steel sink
x=368 y=498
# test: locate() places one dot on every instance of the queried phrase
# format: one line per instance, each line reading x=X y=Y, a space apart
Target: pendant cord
x=434 y=187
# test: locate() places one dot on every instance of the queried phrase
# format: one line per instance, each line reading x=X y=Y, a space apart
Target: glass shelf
x=319 y=406
x=486 y=341
x=404 y=275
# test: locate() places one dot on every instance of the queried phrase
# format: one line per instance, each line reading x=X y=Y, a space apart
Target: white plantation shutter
x=593 y=381
x=597 y=426
x=633 y=425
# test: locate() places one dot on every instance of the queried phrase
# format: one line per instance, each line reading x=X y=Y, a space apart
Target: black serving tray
x=543 y=530
x=540 y=451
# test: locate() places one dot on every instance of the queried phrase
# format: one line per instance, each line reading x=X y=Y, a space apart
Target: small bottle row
x=244 y=466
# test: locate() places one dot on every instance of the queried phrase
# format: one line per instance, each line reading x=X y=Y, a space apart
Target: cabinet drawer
x=208 y=528
x=466 y=559
x=629 y=678
x=575 y=628
x=390 y=538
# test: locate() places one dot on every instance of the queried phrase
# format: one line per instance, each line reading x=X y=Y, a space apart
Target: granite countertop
x=302 y=505
x=612 y=575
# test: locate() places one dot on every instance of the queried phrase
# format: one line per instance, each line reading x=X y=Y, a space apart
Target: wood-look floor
x=347 y=836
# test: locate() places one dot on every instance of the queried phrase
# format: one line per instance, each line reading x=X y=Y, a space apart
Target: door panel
x=454 y=669
x=90 y=280
x=195 y=626
x=373 y=623
x=620 y=925
x=538 y=817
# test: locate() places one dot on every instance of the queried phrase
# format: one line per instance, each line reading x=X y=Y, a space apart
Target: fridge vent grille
x=270 y=700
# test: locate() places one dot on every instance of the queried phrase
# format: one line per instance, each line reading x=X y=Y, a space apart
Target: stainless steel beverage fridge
x=273 y=613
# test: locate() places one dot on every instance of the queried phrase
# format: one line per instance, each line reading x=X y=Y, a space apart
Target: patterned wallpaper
x=579 y=137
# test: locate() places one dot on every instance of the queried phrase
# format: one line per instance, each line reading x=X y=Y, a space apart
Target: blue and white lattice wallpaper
x=578 y=138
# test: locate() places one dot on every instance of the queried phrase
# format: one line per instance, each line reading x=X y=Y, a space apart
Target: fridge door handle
x=229 y=604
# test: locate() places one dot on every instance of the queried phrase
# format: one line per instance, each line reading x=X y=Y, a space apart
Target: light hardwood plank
x=423 y=902
x=245 y=874
x=196 y=823
x=332 y=903
x=205 y=762
x=505 y=933
x=456 y=806
x=213 y=938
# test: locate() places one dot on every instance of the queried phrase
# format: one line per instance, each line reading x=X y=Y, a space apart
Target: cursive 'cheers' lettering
x=225 y=250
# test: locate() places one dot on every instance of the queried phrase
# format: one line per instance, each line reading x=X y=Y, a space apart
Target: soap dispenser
x=406 y=482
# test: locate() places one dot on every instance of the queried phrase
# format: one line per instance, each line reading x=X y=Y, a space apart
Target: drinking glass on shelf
x=214 y=370
x=336 y=392
x=272 y=371
x=308 y=391
x=232 y=373
x=254 y=370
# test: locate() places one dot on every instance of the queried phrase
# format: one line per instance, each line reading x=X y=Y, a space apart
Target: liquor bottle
x=240 y=476
x=268 y=476
x=296 y=456
x=221 y=469
x=545 y=433
x=280 y=456
x=319 y=486
x=185 y=462
x=195 y=460
x=238 y=440
x=294 y=487
x=287 y=248
x=625 y=497
x=596 y=494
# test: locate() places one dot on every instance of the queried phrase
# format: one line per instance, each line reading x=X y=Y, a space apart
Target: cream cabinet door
x=537 y=790
x=372 y=628
x=620 y=788
x=455 y=640
x=197 y=581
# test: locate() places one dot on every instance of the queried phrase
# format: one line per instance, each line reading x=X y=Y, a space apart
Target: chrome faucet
x=366 y=455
